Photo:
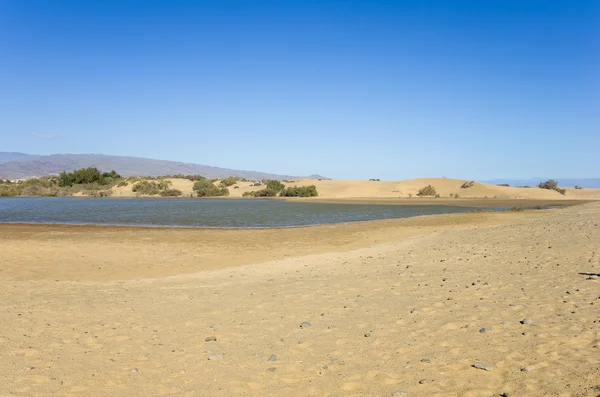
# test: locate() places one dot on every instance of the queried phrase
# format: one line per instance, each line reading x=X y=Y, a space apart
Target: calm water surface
x=221 y=213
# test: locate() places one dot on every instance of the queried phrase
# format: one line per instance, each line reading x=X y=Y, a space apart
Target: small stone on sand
x=485 y=367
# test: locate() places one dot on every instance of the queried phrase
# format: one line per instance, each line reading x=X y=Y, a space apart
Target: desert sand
x=395 y=307
x=361 y=189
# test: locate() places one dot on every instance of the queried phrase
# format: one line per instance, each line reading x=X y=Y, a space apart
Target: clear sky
x=348 y=89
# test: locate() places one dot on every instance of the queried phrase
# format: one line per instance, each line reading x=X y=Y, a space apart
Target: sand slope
x=373 y=189
x=393 y=307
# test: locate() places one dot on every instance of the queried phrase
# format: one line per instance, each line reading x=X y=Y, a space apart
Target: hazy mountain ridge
x=21 y=165
x=6 y=157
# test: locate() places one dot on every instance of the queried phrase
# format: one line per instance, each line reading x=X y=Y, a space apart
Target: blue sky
x=348 y=89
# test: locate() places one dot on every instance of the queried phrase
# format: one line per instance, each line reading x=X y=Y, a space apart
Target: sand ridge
x=404 y=314
x=347 y=189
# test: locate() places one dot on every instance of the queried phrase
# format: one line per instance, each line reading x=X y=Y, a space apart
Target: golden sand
x=394 y=306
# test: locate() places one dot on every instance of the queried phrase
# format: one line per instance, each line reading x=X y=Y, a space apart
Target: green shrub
x=303 y=191
x=578 y=187
x=467 y=184
x=150 y=187
x=516 y=209
x=257 y=184
x=249 y=194
x=205 y=188
x=275 y=186
x=266 y=193
x=122 y=183
x=8 y=190
x=229 y=181
x=171 y=193
x=503 y=184
x=551 y=184
x=427 y=191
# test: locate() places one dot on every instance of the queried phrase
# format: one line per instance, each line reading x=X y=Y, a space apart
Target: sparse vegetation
x=303 y=191
x=88 y=181
x=86 y=176
x=192 y=178
x=206 y=188
x=171 y=193
x=229 y=181
x=578 y=187
x=427 y=191
x=372 y=180
x=151 y=187
x=516 y=209
x=551 y=184
x=467 y=184
x=503 y=184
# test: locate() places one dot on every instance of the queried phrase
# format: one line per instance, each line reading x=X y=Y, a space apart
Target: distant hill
x=6 y=157
x=21 y=165
x=564 y=182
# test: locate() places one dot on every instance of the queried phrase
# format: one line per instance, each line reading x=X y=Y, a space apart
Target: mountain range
x=21 y=165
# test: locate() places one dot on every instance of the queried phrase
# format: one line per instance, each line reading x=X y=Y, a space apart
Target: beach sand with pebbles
x=394 y=307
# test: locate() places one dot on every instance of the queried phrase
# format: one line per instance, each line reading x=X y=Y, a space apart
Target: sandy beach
x=394 y=307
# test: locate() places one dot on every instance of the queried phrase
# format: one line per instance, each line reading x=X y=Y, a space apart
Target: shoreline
x=526 y=207
x=442 y=201
x=214 y=248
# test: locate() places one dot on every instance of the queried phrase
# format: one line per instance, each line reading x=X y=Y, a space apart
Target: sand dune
x=446 y=188
x=396 y=307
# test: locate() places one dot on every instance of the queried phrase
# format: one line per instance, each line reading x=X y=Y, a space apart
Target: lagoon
x=203 y=213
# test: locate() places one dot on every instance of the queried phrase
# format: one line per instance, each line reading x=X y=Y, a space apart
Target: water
x=218 y=213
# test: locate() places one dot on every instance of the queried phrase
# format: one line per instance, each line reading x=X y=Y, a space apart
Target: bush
x=503 y=184
x=427 y=191
x=265 y=193
x=192 y=178
x=229 y=181
x=374 y=180
x=171 y=193
x=304 y=191
x=275 y=186
x=205 y=188
x=7 y=190
x=467 y=184
x=578 y=187
x=551 y=184
x=150 y=187
x=122 y=183
x=249 y=194
x=257 y=184
x=516 y=209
